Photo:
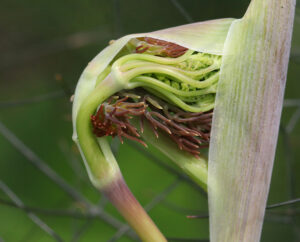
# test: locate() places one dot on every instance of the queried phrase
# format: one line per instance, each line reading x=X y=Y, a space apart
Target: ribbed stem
x=122 y=198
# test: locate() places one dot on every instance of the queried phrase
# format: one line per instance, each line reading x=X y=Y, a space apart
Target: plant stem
x=100 y=170
x=103 y=169
x=122 y=198
x=195 y=168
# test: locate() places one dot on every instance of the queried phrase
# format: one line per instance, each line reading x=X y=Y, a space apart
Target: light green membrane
x=246 y=120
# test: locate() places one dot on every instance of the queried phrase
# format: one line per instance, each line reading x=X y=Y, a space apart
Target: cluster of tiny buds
x=190 y=131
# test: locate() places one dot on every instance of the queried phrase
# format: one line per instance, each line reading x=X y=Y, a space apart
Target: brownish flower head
x=191 y=131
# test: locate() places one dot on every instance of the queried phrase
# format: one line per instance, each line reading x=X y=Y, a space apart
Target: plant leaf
x=246 y=119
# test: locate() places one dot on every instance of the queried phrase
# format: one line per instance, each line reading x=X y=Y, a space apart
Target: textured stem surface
x=246 y=119
x=122 y=198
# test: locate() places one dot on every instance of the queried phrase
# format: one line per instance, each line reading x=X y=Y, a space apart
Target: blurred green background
x=44 y=47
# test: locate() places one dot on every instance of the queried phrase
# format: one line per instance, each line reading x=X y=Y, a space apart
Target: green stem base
x=122 y=198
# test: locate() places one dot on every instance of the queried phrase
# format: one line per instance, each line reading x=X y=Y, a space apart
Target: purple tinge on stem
x=121 y=197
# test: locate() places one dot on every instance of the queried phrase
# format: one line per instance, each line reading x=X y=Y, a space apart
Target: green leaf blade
x=246 y=119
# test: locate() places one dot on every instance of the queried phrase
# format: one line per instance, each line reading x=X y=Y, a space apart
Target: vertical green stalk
x=246 y=119
x=103 y=169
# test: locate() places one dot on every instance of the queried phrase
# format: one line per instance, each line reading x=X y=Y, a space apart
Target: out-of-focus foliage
x=44 y=47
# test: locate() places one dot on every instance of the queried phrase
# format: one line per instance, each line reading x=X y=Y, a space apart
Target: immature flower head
x=191 y=131
x=187 y=80
x=178 y=90
x=174 y=72
x=156 y=88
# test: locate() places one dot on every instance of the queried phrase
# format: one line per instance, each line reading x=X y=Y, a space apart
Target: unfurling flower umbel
x=157 y=88
x=179 y=87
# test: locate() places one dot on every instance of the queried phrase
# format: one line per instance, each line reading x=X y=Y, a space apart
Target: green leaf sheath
x=246 y=119
x=100 y=169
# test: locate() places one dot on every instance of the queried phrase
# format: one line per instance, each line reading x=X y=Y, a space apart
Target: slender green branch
x=102 y=167
x=150 y=81
x=100 y=170
x=121 y=197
